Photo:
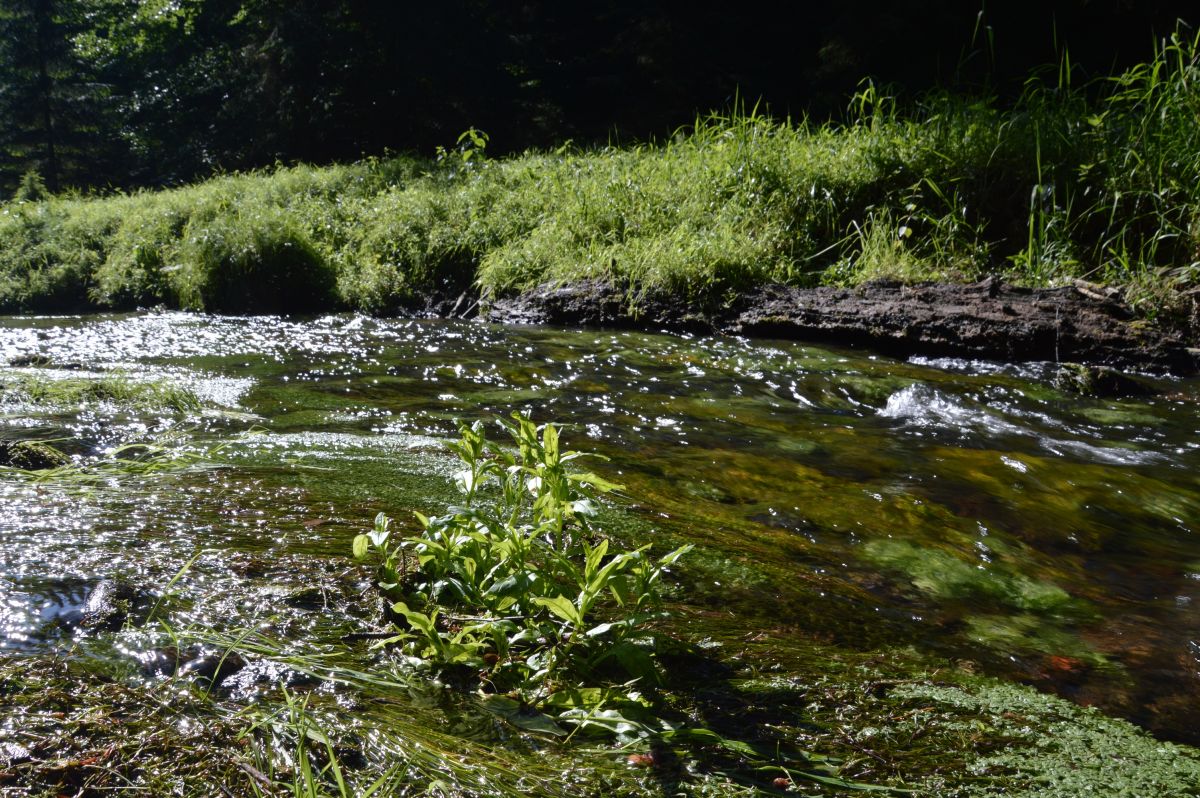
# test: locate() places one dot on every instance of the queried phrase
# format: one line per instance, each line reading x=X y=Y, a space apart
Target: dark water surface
x=965 y=509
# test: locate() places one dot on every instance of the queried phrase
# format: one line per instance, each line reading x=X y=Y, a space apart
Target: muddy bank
x=990 y=319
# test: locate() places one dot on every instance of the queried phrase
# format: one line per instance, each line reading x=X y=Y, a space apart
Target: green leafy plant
x=32 y=188
x=518 y=589
x=470 y=148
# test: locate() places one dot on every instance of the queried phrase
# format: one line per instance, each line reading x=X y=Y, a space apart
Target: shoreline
x=992 y=320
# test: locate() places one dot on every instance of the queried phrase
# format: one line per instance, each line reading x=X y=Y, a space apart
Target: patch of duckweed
x=1053 y=749
x=897 y=718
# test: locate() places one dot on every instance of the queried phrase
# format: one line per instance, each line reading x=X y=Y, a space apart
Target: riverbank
x=990 y=320
x=738 y=216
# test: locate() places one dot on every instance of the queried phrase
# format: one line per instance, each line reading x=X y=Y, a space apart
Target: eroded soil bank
x=990 y=320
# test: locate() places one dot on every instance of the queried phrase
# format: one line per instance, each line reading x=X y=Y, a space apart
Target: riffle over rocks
x=990 y=320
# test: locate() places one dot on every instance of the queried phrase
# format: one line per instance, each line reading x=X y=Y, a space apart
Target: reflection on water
x=968 y=509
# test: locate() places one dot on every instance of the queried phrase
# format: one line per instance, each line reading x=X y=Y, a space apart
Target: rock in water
x=1099 y=381
x=109 y=605
x=31 y=456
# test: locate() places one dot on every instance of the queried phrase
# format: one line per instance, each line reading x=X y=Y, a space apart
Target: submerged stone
x=212 y=667
x=31 y=456
x=1101 y=381
x=108 y=606
x=27 y=361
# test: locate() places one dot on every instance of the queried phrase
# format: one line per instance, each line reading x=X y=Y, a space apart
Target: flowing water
x=966 y=510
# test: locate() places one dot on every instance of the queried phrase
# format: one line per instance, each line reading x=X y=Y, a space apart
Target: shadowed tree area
x=121 y=93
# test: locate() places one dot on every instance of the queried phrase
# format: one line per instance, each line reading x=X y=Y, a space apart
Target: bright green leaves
x=562 y=607
x=550 y=446
x=519 y=587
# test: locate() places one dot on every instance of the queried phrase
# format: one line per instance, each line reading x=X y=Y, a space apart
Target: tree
x=52 y=108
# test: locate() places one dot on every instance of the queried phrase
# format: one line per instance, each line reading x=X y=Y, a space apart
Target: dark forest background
x=98 y=94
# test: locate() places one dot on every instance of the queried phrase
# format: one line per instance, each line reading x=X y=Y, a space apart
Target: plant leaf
x=599 y=483
x=521 y=717
x=561 y=606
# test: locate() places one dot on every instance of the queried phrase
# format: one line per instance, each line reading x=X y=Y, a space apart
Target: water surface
x=969 y=510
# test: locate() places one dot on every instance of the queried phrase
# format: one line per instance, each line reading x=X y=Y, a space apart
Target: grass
x=1100 y=182
x=22 y=386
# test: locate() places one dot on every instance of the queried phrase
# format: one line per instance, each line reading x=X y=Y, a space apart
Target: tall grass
x=1100 y=181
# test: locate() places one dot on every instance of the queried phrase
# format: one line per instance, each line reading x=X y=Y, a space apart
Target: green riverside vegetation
x=1100 y=182
x=522 y=599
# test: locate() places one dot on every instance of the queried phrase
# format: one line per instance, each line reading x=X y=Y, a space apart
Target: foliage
x=102 y=93
x=523 y=592
x=49 y=98
x=116 y=388
x=1097 y=182
x=32 y=188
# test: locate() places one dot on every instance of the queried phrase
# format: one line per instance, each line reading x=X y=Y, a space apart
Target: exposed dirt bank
x=992 y=320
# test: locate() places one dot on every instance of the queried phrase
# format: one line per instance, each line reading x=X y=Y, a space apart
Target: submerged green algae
x=1052 y=748
x=838 y=503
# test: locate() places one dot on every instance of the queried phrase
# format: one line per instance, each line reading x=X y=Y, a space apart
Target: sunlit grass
x=1100 y=182
x=116 y=388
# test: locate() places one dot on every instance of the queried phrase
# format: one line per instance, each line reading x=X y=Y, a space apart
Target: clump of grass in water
x=119 y=465
x=114 y=388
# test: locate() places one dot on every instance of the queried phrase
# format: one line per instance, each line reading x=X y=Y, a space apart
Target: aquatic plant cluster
x=1100 y=181
x=510 y=593
x=521 y=597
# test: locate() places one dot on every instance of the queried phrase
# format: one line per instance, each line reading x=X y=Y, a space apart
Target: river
x=969 y=511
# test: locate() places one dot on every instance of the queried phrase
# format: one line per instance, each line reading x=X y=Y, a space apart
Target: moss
x=946 y=577
x=30 y=456
x=1027 y=633
x=1119 y=415
x=1055 y=749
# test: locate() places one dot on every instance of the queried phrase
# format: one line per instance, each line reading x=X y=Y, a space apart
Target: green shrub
x=256 y=260
x=521 y=591
x=32 y=188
